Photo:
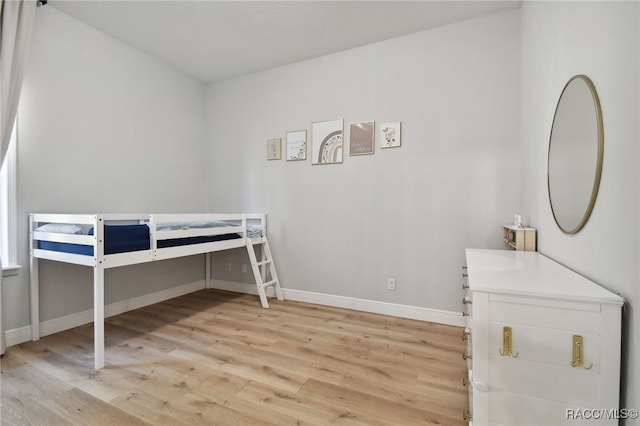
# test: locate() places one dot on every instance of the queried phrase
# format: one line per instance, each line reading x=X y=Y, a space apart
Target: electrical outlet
x=228 y=266
x=244 y=267
x=391 y=284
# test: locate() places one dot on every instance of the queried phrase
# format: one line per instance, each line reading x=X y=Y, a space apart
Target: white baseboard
x=18 y=335
x=23 y=334
x=383 y=308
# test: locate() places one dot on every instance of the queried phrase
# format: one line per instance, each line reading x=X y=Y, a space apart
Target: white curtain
x=16 y=26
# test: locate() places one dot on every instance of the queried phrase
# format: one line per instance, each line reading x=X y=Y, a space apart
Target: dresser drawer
x=508 y=409
x=545 y=346
x=573 y=387
x=575 y=317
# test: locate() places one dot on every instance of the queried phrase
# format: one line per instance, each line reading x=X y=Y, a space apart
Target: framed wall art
x=361 y=138
x=274 y=149
x=390 y=135
x=296 y=145
x=327 y=142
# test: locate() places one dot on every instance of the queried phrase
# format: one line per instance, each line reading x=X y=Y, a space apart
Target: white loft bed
x=106 y=241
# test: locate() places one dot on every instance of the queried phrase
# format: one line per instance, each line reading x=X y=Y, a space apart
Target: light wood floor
x=215 y=357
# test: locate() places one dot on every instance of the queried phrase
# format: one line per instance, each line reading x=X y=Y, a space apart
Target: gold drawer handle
x=465 y=381
x=507 y=345
x=465 y=286
x=466 y=301
x=465 y=335
x=578 y=353
x=466 y=415
x=466 y=356
x=465 y=314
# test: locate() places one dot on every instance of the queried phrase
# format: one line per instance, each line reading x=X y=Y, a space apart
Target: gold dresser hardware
x=507 y=345
x=466 y=301
x=465 y=275
x=466 y=356
x=465 y=335
x=465 y=381
x=465 y=314
x=578 y=353
x=466 y=415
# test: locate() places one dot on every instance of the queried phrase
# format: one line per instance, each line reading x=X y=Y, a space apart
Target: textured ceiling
x=217 y=40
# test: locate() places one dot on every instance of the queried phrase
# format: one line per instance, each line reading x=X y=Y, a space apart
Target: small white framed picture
x=390 y=135
x=297 y=145
x=274 y=149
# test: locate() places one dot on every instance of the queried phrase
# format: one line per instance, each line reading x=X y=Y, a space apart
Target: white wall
x=601 y=40
x=406 y=213
x=102 y=128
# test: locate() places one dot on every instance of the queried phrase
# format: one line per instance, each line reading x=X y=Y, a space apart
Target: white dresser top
x=531 y=274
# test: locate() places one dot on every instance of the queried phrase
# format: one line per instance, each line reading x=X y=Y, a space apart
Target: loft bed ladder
x=264 y=271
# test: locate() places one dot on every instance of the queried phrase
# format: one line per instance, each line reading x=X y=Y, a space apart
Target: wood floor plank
x=236 y=414
x=146 y=407
x=31 y=396
x=307 y=410
x=361 y=403
x=217 y=358
x=78 y=407
x=26 y=411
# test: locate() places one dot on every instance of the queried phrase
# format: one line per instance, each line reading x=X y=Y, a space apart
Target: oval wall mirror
x=576 y=147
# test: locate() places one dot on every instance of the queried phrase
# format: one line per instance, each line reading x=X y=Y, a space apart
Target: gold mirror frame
x=600 y=154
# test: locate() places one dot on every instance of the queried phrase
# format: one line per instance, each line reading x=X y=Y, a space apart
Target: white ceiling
x=216 y=40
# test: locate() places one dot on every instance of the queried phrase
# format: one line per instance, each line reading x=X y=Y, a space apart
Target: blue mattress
x=128 y=238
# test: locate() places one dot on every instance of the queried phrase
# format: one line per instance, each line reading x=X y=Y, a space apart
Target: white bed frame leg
x=207 y=270
x=98 y=316
x=34 y=286
x=35 y=300
x=98 y=296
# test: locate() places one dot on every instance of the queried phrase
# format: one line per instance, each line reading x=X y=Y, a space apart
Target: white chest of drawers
x=544 y=343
